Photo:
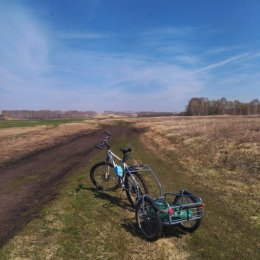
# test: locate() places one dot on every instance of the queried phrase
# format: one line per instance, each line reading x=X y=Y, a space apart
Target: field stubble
x=217 y=158
x=221 y=160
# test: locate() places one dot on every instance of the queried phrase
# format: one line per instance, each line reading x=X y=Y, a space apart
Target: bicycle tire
x=191 y=225
x=148 y=219
x=102 y=179
x=130 y=188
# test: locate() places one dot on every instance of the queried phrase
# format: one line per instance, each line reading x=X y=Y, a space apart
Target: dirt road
x=30 y=182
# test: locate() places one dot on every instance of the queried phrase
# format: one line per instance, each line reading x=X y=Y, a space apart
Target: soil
x=22 y=141
x=27 y=184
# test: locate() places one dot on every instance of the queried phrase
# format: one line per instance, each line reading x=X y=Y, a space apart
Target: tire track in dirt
x=26 y=185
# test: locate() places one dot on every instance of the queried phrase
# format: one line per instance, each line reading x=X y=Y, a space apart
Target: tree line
x=155 y=114
x=45 y=114
x=203 y=106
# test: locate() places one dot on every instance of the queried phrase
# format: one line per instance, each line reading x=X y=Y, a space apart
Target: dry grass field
x=22 y=137
x=89 y=224
x=222 y=152
x=217 y=158
x=220 y=158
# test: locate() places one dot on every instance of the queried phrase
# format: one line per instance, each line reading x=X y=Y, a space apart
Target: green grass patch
x=31 y=123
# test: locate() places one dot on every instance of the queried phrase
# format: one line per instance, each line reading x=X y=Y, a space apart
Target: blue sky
x=138 y=55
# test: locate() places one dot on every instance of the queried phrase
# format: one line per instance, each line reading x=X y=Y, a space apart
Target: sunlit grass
x=31 y=123
x=91 y=224
x=215 y=158
x=220 y=157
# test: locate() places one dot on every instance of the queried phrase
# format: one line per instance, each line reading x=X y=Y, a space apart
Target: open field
x=30 y=123
x=30 y=136
x=217 y=158
x=89 y=225
x=220 y=158
x=224 y=150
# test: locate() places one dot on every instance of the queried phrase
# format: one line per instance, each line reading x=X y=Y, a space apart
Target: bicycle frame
x=110 y=159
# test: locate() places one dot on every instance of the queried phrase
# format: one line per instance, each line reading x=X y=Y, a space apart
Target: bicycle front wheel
x=132 y=192
x=103 y=177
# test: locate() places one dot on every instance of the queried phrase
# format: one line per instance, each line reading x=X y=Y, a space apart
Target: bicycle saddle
x=125 y=150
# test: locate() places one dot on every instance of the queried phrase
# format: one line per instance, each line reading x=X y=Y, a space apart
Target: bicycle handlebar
x=105 y=141
x=100 y=146
x=104 y=144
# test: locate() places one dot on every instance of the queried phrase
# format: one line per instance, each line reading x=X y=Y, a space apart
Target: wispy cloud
x=167 y=40
x=188 y=59
x=255 y=55
x=166 y=31
x=234 y=59
x=24 y=44
x=217 y=50
x=81 y=36
x=221 y=50
x=38 y=70
x=139 y=83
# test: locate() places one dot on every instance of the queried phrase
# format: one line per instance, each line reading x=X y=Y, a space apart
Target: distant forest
x=196 y=107
x=45 y=114
x=203 y=107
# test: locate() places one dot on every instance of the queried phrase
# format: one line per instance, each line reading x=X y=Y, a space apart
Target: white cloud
x=23 y=45
x=37 y=73
x=234 y=59
x=220 y=50
x=123 y=81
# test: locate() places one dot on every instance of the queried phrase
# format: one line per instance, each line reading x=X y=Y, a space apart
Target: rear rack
x=144 y=168
x=139 y=168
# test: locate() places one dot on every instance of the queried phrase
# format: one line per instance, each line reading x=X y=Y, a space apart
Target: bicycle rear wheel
x=131 y=189
x=103 y=177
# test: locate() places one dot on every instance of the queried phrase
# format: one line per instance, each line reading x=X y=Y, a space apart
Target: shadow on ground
x=111 y=200
x=129 y=224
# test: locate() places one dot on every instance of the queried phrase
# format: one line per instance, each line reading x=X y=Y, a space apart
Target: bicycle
x=110 y=176
x=184 y=209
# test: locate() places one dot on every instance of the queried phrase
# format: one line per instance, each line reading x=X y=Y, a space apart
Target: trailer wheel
x=190 y=225
x=148 y=219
